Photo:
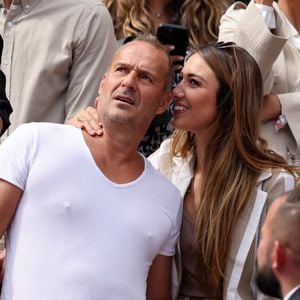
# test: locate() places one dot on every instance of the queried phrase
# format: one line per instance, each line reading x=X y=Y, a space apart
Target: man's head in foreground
x=136 y=85
x=278 y=254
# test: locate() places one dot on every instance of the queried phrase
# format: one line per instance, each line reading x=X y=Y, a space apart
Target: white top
x=76 y=235
x=268 y=15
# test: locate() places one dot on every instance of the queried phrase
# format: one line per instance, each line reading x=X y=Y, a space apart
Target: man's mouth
x=125 y=99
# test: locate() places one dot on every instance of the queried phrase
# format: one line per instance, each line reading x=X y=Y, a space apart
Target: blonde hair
x=131 y=17
x=202 y=19
x=234 y=158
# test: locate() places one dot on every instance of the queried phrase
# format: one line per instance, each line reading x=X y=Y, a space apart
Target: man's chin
x=267 y=283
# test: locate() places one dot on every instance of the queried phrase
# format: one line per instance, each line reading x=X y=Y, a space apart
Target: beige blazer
x=279 y=62
x=240 y=267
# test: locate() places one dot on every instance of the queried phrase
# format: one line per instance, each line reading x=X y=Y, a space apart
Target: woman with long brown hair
x=224 y=170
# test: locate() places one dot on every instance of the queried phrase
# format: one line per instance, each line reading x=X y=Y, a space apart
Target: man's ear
x=164 y=104
x=102 y=83
x=278 y=256
x=97 y=101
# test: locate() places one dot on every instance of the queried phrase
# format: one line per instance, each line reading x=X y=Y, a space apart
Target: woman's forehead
x=195 y=64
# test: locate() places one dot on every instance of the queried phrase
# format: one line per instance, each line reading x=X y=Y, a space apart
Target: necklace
x=157 y=14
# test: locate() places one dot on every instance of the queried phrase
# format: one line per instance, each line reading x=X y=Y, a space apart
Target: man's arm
x=159 y=278
x=94 y=46
x=248 y=29
x=5 y=107
x=9 y=199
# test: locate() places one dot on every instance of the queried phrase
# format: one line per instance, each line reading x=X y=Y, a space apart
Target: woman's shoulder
x=277 y=181
x=161 y=155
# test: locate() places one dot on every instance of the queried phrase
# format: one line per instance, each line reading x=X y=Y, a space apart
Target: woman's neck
x=160 y=12
x=160 y=8
x=202 y=140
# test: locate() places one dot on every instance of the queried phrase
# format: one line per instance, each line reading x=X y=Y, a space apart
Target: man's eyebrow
x=139 y=70
x=122 y=64
x=146 y=72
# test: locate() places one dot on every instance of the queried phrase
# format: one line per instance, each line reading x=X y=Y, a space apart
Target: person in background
x=55 y=54
x=244 y=1
x=5 y=111
x=132 y=17
x=135 y=17
x=5 y=107
x=80 y=224
x=225 y=172
x=269 y=31
x=278 y=253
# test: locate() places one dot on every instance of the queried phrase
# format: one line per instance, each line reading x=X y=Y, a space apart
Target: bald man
x=278 y=255
x=105 y=236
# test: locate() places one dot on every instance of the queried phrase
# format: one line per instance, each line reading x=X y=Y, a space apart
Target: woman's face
x=195 y=97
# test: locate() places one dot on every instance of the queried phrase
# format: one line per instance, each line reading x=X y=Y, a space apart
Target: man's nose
x=130 y=80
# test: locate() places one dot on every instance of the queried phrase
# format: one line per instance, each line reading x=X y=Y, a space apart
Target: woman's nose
x=177 y=92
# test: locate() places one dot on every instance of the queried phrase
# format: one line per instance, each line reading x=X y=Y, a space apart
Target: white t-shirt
x=76 y=234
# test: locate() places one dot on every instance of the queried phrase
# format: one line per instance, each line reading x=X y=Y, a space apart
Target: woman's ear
x=164 y=104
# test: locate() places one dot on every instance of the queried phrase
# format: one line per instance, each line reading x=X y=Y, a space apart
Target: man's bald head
x=285 y=223
x=278 y=253
x=152 y=40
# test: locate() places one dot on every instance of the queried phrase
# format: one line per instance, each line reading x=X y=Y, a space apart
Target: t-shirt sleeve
x=16 y=154
x=168 y=248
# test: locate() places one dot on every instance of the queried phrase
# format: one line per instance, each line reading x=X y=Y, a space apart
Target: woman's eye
x=194 y=82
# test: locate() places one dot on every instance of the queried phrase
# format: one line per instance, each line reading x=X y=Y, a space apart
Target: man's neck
x=7 y=3
x=118 y=159
x=291 y=10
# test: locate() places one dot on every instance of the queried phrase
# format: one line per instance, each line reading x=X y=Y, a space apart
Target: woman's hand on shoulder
x=87 y=119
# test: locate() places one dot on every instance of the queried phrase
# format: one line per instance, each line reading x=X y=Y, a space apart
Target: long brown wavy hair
x=234 y=158
x=131 y=17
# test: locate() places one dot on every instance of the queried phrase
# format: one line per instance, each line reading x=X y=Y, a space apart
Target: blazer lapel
x=244 y=234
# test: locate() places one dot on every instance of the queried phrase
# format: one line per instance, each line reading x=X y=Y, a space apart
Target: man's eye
x=121 y=69
x=146 y=78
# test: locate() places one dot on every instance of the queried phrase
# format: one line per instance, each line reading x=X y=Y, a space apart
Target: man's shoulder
x=43 y=126
x=295 y=295
x=76 y=7
x=44 y=129
x=82 y=3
